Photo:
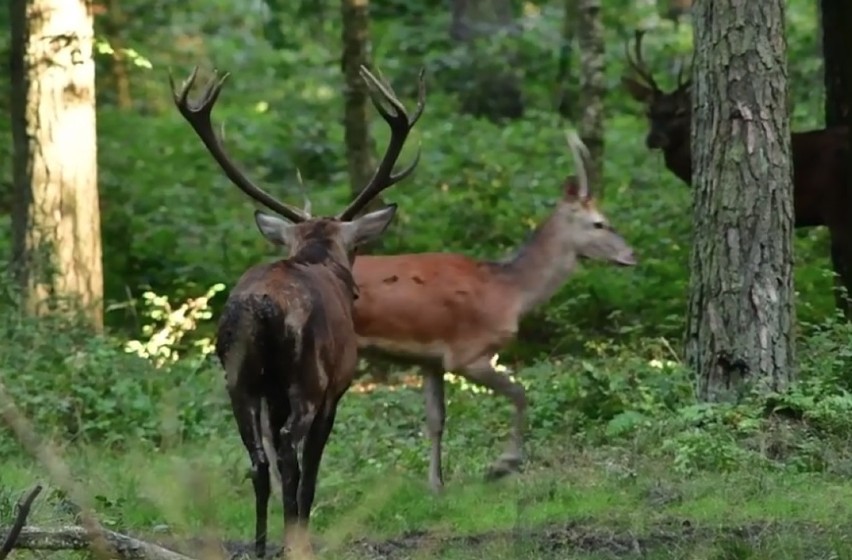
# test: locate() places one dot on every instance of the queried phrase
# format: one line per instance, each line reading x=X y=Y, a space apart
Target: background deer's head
x=668 y=113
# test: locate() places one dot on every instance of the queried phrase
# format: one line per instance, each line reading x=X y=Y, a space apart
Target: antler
x=638 y=64
x=400 y=125
x=579 y=150
x=198 y=116
x=681 y=83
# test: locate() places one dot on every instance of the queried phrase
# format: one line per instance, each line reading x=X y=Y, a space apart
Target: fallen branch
x=78 y=538
x=22 y=511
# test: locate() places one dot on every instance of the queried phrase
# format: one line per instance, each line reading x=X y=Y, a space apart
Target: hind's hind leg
x=246 y=409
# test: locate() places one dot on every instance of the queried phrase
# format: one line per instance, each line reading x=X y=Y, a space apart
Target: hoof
x=503 y=467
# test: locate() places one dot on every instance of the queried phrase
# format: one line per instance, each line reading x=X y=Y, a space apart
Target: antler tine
x=198 y=116
x=638 y=64
x=400 y=124
x=581 y=154
x=680 y=82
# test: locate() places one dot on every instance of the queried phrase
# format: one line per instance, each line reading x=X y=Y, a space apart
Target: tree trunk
x=740 y=323
x=114 y=25
x=836 y=16
x=566 y=92
x=360 y=152
x=592 y=87
x=491 y=88
x=56 y=218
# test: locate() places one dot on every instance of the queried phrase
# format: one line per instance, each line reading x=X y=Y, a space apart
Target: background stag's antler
x=638 y=64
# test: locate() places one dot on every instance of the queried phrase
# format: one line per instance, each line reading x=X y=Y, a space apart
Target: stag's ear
x=638 y=91
x=275 y=229
x=367 y=227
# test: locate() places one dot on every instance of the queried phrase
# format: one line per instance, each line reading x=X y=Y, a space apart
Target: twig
x=22 y=511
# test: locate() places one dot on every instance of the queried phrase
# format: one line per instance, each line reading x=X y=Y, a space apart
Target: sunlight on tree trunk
x=592 y=86
x=837 y=44
x=740 y=318
x=56 y=220
x=360 y=151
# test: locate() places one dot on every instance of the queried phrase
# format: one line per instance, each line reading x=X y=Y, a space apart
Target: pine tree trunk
x=360 y=156
x=56 y=218
x=837 y=44
x=740 y=324
x=592 y=87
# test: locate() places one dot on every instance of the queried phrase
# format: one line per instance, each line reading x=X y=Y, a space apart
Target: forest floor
x=598 y=504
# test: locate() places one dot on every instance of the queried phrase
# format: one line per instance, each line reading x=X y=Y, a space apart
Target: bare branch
x=22 y=511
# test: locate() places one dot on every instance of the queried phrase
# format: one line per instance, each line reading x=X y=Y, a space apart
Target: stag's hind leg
x=287 y=462
x=483 y=373
x=247 y=413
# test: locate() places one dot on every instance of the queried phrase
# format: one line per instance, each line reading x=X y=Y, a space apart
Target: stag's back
x=289 y=322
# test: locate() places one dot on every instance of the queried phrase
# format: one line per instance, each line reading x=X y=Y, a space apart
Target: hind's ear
x=275 y=229
x=367 y=227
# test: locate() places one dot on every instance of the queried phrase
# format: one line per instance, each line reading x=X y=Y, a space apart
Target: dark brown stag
x=286 y=337
x=820 y=193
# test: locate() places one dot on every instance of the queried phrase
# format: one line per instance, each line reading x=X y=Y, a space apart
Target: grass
x=601 y=503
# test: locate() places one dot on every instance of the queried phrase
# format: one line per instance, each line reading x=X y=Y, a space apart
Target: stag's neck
x=543 y=264
x=678 y=157
x=321 y=253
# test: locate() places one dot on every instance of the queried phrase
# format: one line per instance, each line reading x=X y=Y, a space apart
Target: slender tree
x=56 y=217
x=741 y=303
x=592 y=86
x=360 y=151
x=836 y=19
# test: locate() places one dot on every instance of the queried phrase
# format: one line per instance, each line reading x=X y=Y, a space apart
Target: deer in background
x=286 y=338
x=447 y=312
x=821 y=194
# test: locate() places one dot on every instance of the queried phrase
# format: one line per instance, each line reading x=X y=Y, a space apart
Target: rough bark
x=56 y=218
x=836 y=17
x=360 y=151
x=592 y=86
x=741 y=315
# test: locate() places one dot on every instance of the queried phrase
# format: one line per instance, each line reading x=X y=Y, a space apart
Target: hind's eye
x=598 y=225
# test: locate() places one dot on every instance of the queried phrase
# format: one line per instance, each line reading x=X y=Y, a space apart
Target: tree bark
x=592 y=87
x=56 y=222
x=360 y=149
x=836 y=17
x=740 y=323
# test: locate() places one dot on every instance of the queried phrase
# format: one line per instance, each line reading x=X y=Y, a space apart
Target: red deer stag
x=286 y=338
x=821 y=196
x=448 y=312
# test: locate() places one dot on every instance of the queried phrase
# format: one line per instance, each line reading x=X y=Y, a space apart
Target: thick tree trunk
x=741 y=312
x=360 y=152
x=592 y=87
x=56 y=219
x=836 y=18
